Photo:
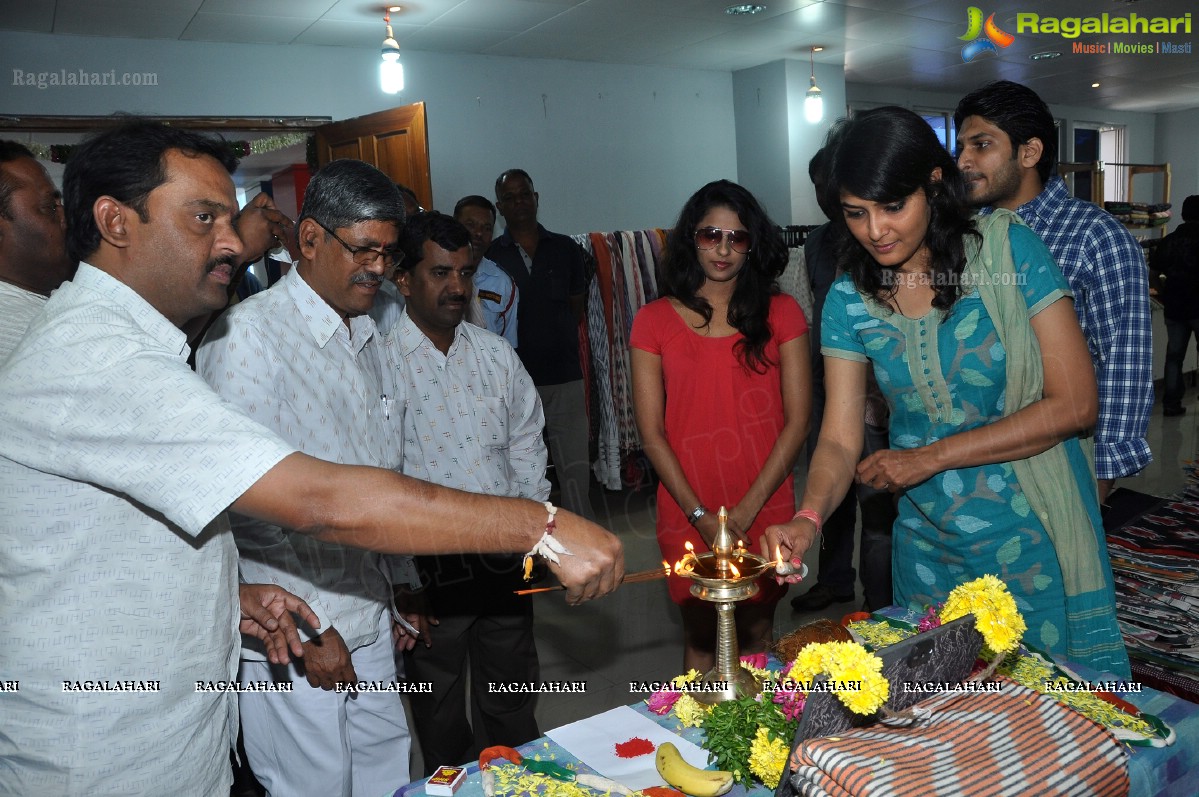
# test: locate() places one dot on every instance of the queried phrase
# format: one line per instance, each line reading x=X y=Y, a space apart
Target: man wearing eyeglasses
x=306 y=360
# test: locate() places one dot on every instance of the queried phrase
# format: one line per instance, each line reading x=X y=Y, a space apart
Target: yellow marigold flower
x=690 y=711
x=873 y=692
x=809 y=663
x=841 y=662
x=995 y=614
x=767 y=758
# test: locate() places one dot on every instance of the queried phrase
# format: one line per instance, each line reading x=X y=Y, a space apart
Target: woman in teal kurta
x=938 y=307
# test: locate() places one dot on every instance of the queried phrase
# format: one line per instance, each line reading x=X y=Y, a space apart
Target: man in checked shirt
x=1007 y=145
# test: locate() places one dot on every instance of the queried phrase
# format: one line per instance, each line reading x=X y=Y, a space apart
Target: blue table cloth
x=1152 y=771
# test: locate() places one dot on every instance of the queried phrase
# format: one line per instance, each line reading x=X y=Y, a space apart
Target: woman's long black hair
x=681 y=275
x=885 y=155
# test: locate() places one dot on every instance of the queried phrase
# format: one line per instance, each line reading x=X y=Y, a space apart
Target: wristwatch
x=695 y=514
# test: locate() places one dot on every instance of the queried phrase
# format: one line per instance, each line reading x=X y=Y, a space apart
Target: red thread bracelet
x=812 y=515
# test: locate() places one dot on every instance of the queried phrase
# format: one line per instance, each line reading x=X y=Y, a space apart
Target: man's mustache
x=224 y=260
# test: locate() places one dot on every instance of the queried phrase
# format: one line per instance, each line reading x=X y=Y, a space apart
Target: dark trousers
x=500 y=650
x=1178 y=339
x=878 y=514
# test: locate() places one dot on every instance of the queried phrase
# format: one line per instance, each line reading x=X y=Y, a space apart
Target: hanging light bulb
x=391 y=71
x=813 y=102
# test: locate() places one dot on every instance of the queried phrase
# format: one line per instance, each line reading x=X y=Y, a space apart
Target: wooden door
x=395 y=141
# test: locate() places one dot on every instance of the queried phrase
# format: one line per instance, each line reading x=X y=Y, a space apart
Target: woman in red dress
x=722 y=395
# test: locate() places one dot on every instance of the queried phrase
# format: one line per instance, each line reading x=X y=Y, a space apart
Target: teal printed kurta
x=944 y=374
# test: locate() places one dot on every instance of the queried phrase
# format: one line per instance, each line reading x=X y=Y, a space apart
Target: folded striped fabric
x=1014 y=742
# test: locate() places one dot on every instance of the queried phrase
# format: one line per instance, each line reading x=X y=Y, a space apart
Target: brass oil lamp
x=725 y=576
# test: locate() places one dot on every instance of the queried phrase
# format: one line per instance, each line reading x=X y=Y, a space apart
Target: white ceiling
x=901 y=43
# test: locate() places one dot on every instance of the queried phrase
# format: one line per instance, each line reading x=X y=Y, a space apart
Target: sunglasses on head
x=710 y=238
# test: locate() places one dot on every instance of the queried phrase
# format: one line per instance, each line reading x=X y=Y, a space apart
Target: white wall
x=760 y=102
x=775 y=142
x=1176 y=135
x=609 y=147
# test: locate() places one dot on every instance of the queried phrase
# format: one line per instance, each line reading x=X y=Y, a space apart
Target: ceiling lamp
x=391 y=71
x=813 y=102
x=744 y=8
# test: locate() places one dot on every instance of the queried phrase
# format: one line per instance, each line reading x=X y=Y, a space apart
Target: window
x=1099 y=144
x=940 y=121
x=942 y=124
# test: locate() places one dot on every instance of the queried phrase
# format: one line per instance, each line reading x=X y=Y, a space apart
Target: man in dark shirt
x=1175 y=264
x=548 y=271
x=836 y=578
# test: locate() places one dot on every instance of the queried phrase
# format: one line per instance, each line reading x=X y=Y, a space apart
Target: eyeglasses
x=710 y=238
x=365 y=256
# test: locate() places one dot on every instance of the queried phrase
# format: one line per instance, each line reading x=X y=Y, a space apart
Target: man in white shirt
x=304 y=360
x=473 y=422
x=33 y=253
x=117 y=579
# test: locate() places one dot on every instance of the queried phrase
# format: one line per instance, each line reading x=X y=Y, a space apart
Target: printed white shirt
x=118 y=589
x=17 y=308
x=290 y=362
x=473 y=419
x=385 y=312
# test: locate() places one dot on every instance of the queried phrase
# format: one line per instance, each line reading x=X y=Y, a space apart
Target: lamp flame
x=736 y=572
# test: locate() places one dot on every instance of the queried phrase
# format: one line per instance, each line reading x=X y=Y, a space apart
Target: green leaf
x=976 y=378
x=1008 y=552
x=966 y=326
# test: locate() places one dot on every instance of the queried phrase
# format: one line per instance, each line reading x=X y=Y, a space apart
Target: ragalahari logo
x=993 y=38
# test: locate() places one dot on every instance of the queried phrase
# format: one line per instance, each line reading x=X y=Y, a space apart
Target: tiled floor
x=635 y=634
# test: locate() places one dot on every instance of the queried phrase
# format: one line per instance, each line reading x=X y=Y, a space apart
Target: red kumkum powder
x=634 y=747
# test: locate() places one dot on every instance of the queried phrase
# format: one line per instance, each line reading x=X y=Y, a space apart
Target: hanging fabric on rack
x=625 y=280
x=599 y=309
x=796 y=282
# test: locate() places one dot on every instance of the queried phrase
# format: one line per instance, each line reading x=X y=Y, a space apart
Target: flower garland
x=1001 y=624
x=995 y=614
x=1041 y=676
x=61 y=153
x=856 y=674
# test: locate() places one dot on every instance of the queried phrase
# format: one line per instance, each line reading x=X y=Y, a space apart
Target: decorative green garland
x=61 y=153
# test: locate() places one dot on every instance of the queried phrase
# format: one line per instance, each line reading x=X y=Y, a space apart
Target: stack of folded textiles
x=1155 y=561
x=1121 y=210
x=1159 y=214
x=1140 y=214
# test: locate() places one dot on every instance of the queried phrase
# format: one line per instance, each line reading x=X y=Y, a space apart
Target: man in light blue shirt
x=495 y=294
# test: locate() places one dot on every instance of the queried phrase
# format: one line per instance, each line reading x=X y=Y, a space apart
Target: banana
x=688 y=779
